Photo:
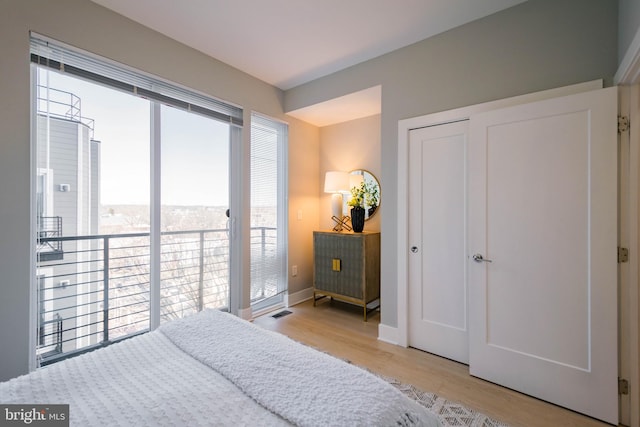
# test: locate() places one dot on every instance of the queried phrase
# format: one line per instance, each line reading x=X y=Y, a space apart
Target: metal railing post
x=262 y=260
x=201 y=279
x=58 y=319
x=105 y=290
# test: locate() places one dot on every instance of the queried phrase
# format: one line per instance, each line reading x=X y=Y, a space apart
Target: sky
x=195 y=149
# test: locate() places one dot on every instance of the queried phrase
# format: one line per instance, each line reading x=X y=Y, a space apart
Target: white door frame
x=629 y=105
x=399 y=336
x=634 y=245
x=628 y=74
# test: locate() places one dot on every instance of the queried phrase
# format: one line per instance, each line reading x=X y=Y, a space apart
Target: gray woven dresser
x=346 y=266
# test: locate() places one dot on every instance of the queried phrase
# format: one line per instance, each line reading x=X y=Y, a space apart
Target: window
x=268 y=212
x=132 y=184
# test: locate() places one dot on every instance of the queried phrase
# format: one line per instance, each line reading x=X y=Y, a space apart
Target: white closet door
x=437 y=220
x=543 y=209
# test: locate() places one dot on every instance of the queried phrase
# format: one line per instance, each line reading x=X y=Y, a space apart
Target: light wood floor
x=338 y=329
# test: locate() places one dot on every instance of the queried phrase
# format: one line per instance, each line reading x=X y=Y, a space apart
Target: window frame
x=158 y=92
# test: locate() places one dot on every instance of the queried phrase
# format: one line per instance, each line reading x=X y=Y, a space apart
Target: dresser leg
x=318 y=298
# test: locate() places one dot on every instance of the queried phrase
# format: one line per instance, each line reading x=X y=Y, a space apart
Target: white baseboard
x=388 y=334
x=292 y=299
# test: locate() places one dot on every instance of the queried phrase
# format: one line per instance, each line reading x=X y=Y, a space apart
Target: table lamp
x=336 y=183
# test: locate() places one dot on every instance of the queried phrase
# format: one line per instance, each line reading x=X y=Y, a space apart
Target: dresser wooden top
x=346 y=233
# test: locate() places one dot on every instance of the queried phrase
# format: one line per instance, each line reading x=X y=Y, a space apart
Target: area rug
x=450 y=413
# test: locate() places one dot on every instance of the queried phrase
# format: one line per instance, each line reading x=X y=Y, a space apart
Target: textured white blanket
x=213 y=369
x=143 y=381
x=302 y=385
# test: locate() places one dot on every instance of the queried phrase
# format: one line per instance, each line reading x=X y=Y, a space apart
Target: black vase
x=357 y=219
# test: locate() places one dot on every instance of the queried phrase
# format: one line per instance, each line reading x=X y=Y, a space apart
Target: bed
x=213 y=368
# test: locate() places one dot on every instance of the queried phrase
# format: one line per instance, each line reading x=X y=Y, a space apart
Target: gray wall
x=537 y=45
x=629 y=23
x=86 y=25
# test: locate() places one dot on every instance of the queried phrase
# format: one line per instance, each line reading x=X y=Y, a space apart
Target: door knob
x=414 y=249
x=480 y=258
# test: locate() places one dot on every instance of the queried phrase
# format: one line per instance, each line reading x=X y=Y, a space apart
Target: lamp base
x=336 y=205
x=336 y=210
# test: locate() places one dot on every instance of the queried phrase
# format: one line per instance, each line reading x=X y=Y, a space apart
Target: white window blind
x=55 y=55
x=268 y=209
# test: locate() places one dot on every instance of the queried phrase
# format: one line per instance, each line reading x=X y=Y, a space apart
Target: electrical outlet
x=294 y=270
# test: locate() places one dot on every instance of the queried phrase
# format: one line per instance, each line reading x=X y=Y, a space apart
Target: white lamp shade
x=336 y=182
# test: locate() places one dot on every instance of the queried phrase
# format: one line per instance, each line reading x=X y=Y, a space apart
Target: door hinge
x=623 y=124
x=623 y=386
x=623 y=254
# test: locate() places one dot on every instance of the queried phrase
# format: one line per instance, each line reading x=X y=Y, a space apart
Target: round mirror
x=365 y=192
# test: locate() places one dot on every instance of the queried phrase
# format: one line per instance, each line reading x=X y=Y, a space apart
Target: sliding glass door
x=194 y=225
x=131 y=191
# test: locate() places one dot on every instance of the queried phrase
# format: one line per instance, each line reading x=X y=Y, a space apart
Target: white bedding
x=215 y=369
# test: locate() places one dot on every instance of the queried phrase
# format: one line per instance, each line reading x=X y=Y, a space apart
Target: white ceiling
x=353 y=106
x=290 y=42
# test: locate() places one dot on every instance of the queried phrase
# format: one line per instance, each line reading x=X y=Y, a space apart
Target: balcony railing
x=49 y=228
x=62 y=104
x=100 y=291
x=50 y=336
